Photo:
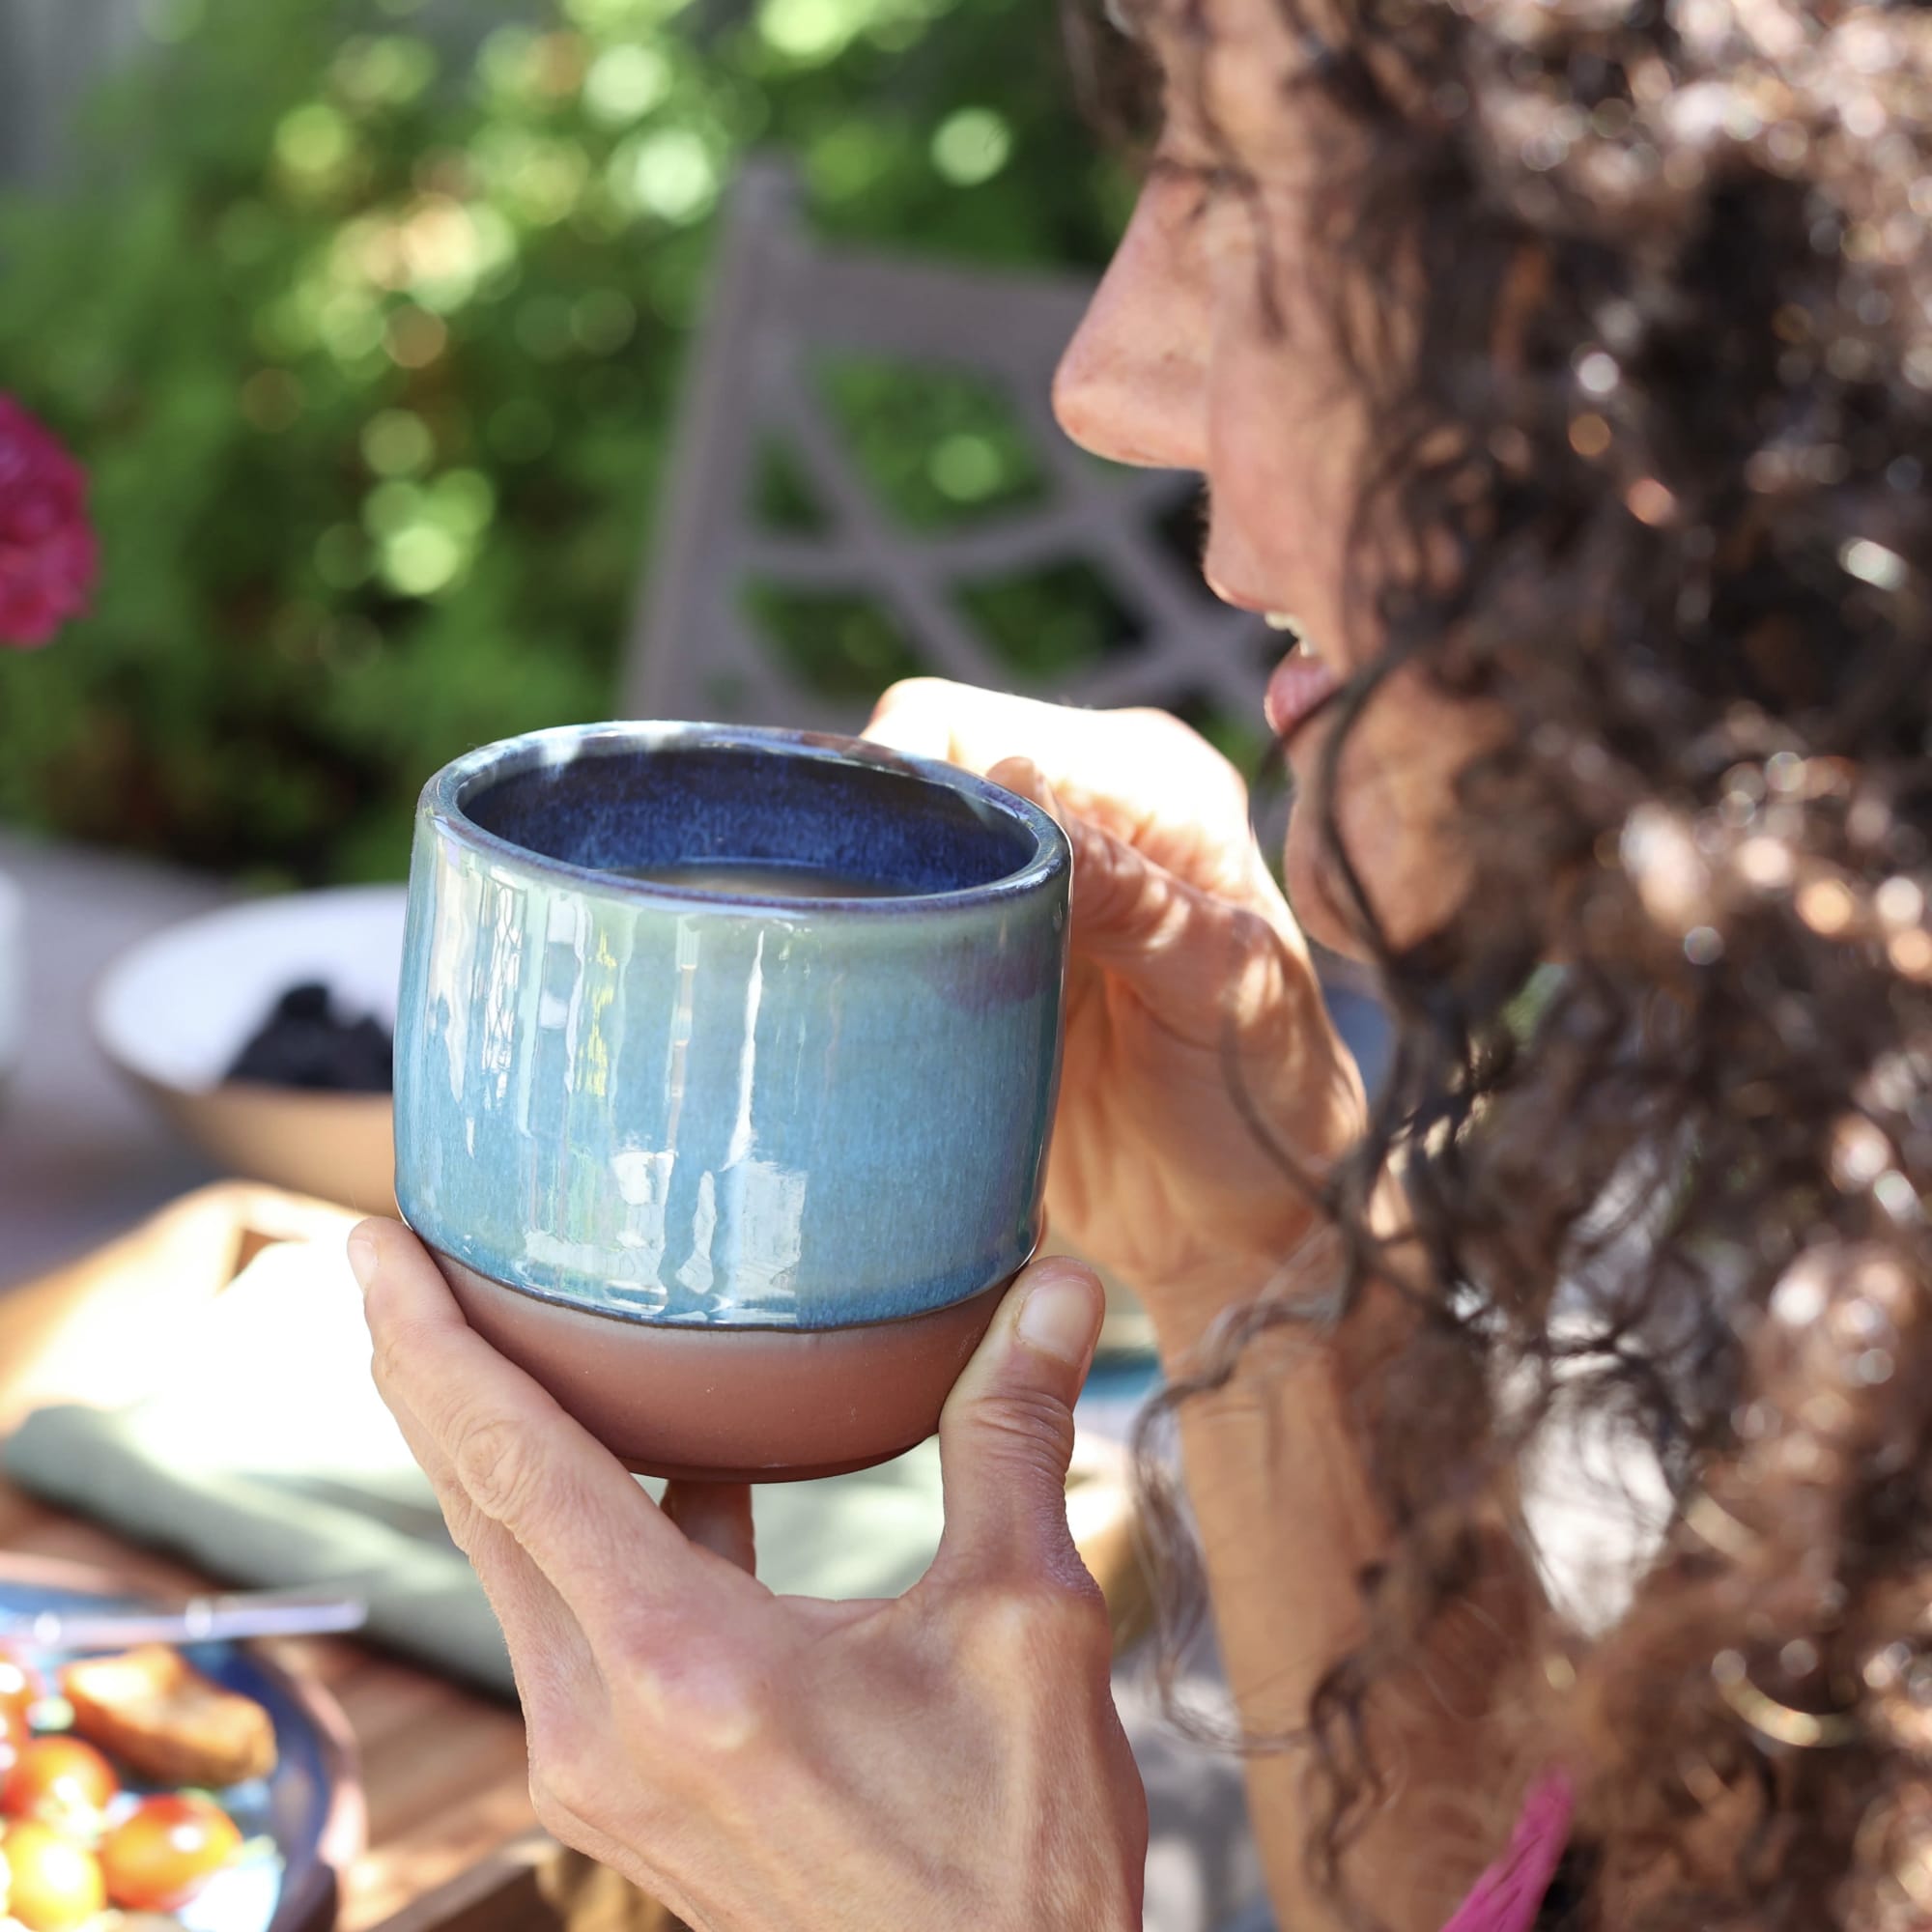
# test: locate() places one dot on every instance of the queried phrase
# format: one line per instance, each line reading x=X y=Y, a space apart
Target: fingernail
x=1060 y=1318
x=362 y=1257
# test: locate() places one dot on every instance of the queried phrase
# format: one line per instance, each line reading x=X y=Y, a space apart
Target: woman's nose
x=1132 y=385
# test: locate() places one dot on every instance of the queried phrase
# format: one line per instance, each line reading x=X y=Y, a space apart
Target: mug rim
x=444 y=799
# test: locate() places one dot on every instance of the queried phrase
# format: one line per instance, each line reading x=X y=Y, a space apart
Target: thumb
x=1007 y=1434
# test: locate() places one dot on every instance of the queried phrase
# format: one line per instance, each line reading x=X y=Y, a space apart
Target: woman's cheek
x=1403 y=891
x=1396 y=812
x=1315 y=888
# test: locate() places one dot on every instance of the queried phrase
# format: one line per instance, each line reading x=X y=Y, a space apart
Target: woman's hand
x=1196 y=1033
x=952 y=1759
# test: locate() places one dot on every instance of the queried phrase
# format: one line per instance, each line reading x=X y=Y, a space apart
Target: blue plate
x=301 y=1824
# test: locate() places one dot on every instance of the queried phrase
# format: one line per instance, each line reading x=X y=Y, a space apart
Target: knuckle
x=1113 y=882
x=554 y=1798
x=699 y=1697
x=1025 y=1423
x=501 y=1473
x=1069 y=1612
x=1050 y=1622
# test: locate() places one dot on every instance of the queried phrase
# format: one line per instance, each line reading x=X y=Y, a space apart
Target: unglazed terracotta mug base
x=733 y=1405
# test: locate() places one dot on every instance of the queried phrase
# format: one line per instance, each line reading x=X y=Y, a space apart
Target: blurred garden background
x=369 y=318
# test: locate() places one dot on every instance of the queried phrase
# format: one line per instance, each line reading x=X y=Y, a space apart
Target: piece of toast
x=152 y=1709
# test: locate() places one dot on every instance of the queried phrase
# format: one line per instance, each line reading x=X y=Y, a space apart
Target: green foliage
x=370 y=338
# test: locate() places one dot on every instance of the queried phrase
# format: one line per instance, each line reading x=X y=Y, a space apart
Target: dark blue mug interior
x=673 y=804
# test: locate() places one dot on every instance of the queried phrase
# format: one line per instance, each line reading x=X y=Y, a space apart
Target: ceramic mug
x=737 y=1162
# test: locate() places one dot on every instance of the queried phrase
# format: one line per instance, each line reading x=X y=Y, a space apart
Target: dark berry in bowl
x=306 y=1043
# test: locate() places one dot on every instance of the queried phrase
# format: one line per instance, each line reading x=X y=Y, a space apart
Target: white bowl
x=174 y=1011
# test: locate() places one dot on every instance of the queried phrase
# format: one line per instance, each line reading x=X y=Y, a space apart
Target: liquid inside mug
x=726 y=1067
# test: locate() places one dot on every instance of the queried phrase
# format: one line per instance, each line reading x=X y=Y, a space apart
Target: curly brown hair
x=1670 y=410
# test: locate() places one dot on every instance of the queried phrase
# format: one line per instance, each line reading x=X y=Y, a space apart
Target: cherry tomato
x=165 y=1850
x=62 y=1782
x=51 y=1884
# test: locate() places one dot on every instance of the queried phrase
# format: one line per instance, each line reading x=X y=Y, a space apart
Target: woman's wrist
x=1300 y=1296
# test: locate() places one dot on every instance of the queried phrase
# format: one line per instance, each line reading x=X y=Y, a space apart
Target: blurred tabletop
x=444 y=1770
x=81 y=1156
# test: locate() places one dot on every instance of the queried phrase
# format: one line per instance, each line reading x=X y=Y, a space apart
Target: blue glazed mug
x=726 y=1067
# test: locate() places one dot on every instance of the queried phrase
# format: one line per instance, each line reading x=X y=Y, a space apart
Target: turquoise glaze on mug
x=709 y=1110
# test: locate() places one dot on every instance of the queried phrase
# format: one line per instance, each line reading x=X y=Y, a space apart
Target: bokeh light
x=672 y=174
x=972 y=146
x=397 y=442
x=810 y=30
x=313 y=142
x=1872 y=563
x=966 y=467
x=386 y=71
x=415 y=338
x=625 y=83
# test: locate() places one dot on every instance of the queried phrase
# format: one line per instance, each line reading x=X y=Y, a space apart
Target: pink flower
x=49 y=556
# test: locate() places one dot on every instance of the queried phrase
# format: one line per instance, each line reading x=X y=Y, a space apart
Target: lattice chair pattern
x=792 y=579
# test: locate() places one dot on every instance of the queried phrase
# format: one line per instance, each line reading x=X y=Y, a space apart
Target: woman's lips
x=1301 y=682
x=1300 y=686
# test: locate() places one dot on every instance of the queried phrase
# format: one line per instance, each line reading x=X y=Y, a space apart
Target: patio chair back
x=801 y=616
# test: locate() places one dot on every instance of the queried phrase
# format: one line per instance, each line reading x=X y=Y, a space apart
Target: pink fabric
x=1509 y=1895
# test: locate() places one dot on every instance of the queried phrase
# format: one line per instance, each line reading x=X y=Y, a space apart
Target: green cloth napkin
x=275 y=1463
